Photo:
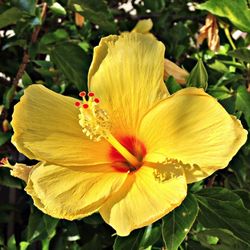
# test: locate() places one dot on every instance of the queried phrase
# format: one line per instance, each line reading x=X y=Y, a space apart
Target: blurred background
x=51 y=43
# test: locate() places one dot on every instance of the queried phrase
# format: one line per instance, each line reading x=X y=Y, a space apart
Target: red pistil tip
x=4 y=161
x=91 y=94
x=96 y=100
x=77 y=104
x=85 y=105
x=82 y=93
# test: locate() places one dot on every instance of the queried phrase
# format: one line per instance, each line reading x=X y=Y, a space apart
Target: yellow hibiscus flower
x=127 y=150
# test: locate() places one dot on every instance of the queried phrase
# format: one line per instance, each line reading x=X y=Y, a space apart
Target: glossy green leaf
x=219 y=66
x=12 y=243
x=54 y=37
x=24 y=245
x=50 y=225
x=236 y=11
x=8 y=96
x=172 y=85
x=222 y=208
x=198 y=76
x=156 y=5
x=40 y=226
x=139 y=239
x=97 y=12
x=4 y=137
x=10 y=16
x=220 y=92
x=240 y=167
x=58 y=9
x=26 y=5
x=243 y=102
x=245 y=196
x=73 y=62
x=242 y=54
x=26 y=80
x=226 y=240
x=9 y=181
x=177 y=224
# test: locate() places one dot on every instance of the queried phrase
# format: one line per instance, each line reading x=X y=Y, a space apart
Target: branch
x=26 y=56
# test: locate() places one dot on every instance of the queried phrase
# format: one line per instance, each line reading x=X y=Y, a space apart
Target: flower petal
x=143 y=26
x=172 y=69
x=148 y=195
x=192 y=127
x=72 y=193
x=127 y=75
x=46 y=127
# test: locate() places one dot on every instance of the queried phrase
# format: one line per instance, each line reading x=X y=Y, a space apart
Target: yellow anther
x=96 y=125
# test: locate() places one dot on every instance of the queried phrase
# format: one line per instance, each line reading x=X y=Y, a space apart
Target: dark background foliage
x=41 y=42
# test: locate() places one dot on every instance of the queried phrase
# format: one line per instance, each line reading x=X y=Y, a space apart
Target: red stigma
x=82 y=93
x=96 y=100
x=85 y=105
x=91 y=94
x=77 y=104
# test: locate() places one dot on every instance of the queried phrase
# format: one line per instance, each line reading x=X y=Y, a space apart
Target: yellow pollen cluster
x=94 y=120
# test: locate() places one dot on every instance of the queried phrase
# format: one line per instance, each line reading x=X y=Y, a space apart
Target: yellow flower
x=129 y=149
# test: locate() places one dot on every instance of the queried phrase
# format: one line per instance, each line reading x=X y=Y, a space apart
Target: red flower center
x=135 y=147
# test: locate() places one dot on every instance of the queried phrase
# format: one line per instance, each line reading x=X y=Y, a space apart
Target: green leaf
x=226 y=240
x=139 y=239
x=21 y=43
x=131 y=242
x=58 y=9
x=26 y=5
x=242 y=54
x=26 y=80
x=198 y=76
x=10 y=16
x=12 y=243
x=243 y=102
x=53 y=37
x=50 y=225
x=40 y=226
x=220 y=92
x=9 y=181
x=236 y=11
x=245 y=196
x=150 y=236
x=97 y=12
x=4 y=137
x=155 y=6
x=218 y=66
x=24 y=245
x=73 y=62
x=177 y=224
x=222 y=208
x=172 y=85
x=8 y=96
x=94 y=243
x=240 y=167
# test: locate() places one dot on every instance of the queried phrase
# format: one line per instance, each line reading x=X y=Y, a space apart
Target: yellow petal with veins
x=72 y=193
x=46 y=128
x=195 y=130
x=148 y=194
x=127 y=75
